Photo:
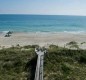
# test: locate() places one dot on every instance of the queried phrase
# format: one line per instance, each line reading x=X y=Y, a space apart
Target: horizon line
x=40 y=14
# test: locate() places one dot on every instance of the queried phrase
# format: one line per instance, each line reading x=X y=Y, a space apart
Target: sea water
x=42 y=23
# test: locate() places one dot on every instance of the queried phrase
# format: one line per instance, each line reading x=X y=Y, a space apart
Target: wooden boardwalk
x=39 y=66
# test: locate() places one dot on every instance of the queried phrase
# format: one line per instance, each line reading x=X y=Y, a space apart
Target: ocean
x=42 y=23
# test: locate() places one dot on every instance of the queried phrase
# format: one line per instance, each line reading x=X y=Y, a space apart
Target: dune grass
x=18 y=63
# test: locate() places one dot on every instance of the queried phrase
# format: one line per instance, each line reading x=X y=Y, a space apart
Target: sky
x=43 y=7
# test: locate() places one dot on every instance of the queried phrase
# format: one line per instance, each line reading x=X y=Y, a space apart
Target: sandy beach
x=42 y=39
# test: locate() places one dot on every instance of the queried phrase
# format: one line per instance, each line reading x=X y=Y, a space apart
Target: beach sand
x=42 y=39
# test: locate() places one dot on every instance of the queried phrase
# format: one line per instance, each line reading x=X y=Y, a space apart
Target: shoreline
x=47 y=32
x=42 y=39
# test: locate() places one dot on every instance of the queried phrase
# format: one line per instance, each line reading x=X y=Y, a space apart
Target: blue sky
x=51 y=7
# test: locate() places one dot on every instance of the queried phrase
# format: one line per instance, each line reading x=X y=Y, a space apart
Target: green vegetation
x=83 y=43
x=65 y=64
x=15 y=63
x=73 y=45
x=18 y=63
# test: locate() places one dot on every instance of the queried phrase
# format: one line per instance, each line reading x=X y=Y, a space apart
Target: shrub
x=83 y=58
x=65 y=68
x=73 y=44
